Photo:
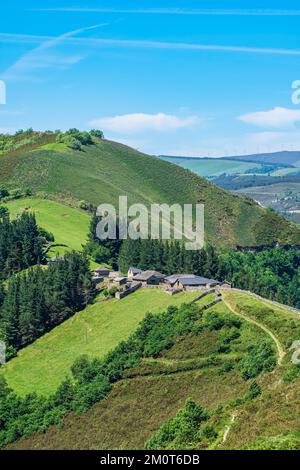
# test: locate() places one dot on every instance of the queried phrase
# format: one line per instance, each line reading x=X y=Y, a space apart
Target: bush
x=180 y=432
x=97 y=133
x=254 y=391
x=3 y=192
x=259 y=359
x=292 y=373
x=227 y=366
x=208 y=432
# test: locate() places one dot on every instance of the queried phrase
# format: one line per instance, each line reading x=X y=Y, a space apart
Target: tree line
x=40 y=298
x=272 y=273
x=22 y=243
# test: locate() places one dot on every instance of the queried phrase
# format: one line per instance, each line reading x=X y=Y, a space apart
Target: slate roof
x=197 y=281
x=102 y=268
x=135 y=270
x=145 y=275
x=174 y=277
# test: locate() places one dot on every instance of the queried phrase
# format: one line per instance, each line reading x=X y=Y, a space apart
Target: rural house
x=102 y=271
x=150 y=278
x=190 y=281
x=133 y=272
x=119 y=281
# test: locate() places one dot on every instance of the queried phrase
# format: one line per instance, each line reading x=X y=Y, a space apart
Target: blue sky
x=181 y=78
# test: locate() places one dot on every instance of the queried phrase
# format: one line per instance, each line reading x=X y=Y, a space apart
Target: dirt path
x=280 y=351
x=228 y=427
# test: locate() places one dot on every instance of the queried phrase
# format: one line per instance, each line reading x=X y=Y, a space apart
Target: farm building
x=150 y=278
x=133 y=272
x=190 y=281
x=119 y=281
x=102 y=271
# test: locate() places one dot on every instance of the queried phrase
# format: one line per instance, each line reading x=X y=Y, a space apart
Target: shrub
x=227 y=366
x=254 y=391
x=259 y=359
x=180 y=432
x=292 y=373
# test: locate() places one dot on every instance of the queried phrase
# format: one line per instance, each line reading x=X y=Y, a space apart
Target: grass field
x=212 y=167
x=69 y=226
x=42 y=366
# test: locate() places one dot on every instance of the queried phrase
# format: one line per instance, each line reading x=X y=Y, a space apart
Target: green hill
x=235 y=363
x=43 y=365
x=69 y=226
x=100 y=173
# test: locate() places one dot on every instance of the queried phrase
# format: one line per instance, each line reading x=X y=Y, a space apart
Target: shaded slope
x=153 y=393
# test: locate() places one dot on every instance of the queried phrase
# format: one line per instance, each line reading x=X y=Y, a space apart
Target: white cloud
x=183 y=46
x=40 y=58
x=274 y=118
x=139 y=122
x=177 y=11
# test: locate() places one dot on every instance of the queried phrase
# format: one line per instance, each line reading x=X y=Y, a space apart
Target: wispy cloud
x=274 y=118
x=177 y=11
x=39 y=57
x=98 y=42
x=139 y=122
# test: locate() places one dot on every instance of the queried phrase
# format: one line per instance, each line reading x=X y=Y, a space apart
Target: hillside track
x=280 y=350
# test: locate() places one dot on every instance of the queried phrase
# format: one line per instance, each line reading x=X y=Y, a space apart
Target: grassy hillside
x=195 y=366
x=100 y=173
x=42 y=366
x=69 y=226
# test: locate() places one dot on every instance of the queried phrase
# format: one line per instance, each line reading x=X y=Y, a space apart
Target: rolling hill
x=250 y=400
x=284 y=157
x=69 y=226
x=211 y=167
x=100 y=173
x=43 y=365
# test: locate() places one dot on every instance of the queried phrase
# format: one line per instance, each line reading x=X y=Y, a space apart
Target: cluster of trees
x=273 y=273
x=102 y=251
x=169 y=257
x=75 y=139
x=21 y=243
x=234 y=182
x=10 y=194
x=39 y=299
x=265 y=169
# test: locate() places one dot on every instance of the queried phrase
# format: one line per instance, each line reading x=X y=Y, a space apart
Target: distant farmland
x=210 y=167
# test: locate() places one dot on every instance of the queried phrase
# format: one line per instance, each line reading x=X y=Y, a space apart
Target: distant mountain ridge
x=288 y=158
x=285 y=157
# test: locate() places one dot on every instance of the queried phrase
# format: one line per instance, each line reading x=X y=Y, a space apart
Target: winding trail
x=228 y=427
x=280 y=351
